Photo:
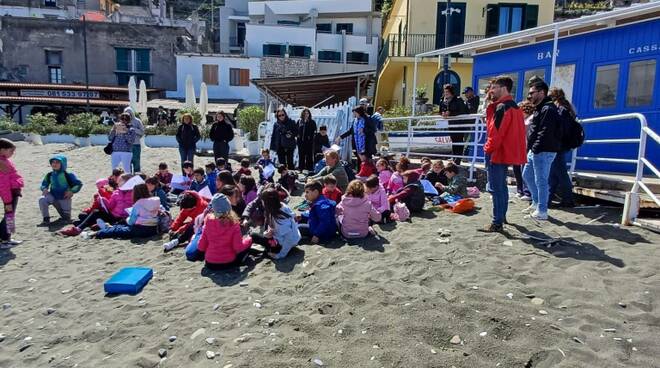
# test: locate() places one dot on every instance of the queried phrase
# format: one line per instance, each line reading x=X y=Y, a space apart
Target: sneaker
x=101 y=224
x=492 y=228
x=86 y=235
x=525 y=198
x=71 y=231
x=538 y=216
x=45 y=222
x=529 y=209
x=170 y=245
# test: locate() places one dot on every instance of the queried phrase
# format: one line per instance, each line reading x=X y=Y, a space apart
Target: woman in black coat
x=283 y=139
x=187 y=135
x=221 y=134
x=306 y=133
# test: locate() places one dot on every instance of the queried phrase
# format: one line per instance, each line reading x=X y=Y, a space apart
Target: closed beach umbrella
x=190 y=92
x=203 y=101
x=132 y=94
x=142 y=101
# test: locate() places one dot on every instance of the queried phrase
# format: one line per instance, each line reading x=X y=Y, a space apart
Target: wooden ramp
x=613 y=187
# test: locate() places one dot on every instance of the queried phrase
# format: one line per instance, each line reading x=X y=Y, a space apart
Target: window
x=511 y=18
x=505 y=18
x=53 y=57
x=55 y=74
x=239 y=77
x=324 y=28
x=288 y=22
x=607 y=78
x=210 y=74
x=300 y=51
x=531 y=73
x=50 y=3
x=330 y=56
x=641 y=78
x=357 y=58
x=274 y=50
x=133 y=62
x=348 y=27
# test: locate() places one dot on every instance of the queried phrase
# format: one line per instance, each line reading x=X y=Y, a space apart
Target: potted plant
x=42 y=127
x=249 y=119
x=420 y=95
x=98 y=135
x=163 y=136
x=80 y=126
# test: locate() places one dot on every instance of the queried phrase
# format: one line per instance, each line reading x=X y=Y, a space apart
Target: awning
x=55 y=86
x=20 y=100
x=313 y=89
x=178 y=105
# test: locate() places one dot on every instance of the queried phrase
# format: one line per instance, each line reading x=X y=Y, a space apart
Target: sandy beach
x=407 y=298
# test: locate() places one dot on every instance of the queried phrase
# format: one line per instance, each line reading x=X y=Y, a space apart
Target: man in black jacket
x=471 y=100
x=222 y=132
x=453 y=105
x=543 y=143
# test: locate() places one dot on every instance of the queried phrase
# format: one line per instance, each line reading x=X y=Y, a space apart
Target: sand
x=392 y=301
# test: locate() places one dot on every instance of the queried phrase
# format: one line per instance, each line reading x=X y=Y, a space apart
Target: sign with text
x=58 y=93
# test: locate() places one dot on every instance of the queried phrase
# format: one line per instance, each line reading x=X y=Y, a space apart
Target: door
x=456 y=24
x=440 y=80
x=564 y=78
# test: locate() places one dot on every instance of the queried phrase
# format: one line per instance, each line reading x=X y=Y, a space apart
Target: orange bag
x=463 y=206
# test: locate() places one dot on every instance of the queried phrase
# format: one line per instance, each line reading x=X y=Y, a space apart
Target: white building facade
x=227 y=77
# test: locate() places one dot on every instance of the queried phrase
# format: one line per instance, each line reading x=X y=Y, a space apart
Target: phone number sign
x=58 y=93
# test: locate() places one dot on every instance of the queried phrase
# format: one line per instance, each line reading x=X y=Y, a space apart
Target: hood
x=60 y=158
x=151 y=203
x=130 y=112
x=101 y=183
x=354 y=201
x=288 y=211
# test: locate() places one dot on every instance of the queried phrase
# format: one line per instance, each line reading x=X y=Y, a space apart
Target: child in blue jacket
x=58 y=188
x=321 y=222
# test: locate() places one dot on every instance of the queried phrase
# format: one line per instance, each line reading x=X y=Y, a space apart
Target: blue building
x=607 y=64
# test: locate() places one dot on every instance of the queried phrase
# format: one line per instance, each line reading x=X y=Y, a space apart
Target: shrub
x=80 y=125
x=249 y=119
x=197 y=117
x=397 y=111
x=42 y=124
x=100 y=129
x=7 y=124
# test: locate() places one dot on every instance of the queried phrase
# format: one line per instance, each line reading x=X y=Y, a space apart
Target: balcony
x=412 y=44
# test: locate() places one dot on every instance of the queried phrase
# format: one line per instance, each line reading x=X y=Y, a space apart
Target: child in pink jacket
x=378 y=198
x=354 y=212
x=221 y=243
x=11 y=184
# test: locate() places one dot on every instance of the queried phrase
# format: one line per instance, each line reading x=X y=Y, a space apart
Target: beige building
x=416 y=26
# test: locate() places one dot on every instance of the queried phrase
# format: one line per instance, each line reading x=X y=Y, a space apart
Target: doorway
x=438 y=90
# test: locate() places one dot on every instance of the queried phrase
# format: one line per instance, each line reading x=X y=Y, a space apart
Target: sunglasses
x=531 y=93
x=280 y=115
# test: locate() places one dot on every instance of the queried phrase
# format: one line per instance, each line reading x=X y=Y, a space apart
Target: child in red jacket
x=367 y=168
x=330 y=189
x=221 y=243
x=182 y=229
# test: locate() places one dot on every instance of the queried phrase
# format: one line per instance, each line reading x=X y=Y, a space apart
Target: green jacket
x=457 y=185
x=338 y=172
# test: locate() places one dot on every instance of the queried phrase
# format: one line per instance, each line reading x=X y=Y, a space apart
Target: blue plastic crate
x=129 y=280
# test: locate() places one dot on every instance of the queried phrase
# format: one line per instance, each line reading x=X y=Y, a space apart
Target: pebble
x=609 y=330
x=32 y=280
x=271 y=322
x=364 y=332
x=6 y=306
x=210 y=354
x=373 y=358
x=555 y=327
x=443 y=241
x=162 y=353
x=507 y=243
x=618 y=339
x=622 y=305
x=216 y=307
x=51 y=310
x=66 y=291
x=165 y=327
x=172 y=338
x=228 y=366
x=242 y=339
x=537 y=301
x=455 y=340
x=257 y=305
x=318 y=362
x=2 y=337
x=509 y=295
x=483 y=334
x=543 y=312
x=634 y=349
x=243 y=284
x=197 y=333
x=433 y=351
x=210 y=340
x=340 y=332
x=29 y=338
x=475 y=288
x=24 y=347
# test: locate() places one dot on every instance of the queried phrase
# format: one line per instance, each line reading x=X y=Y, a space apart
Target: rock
x=197 y=333
x=172 y=338
x=443 y=241
x=162 y=353
x=210 y=354
x=537 y=301
x=609 y=330
x=228 y=366
x=32 y=280
x=29 y=338
x=456 y=340
x=66 y=291
x=257 y=305
x=340 y=332
x=445 y=233
x=6 y=306
x=543 y=312
x=2 y=337
x=509 y=295
x=242 y=339
x=364 y=332
x=165 y=327
x=622 y=305
x=216 y=307
x=318 y=362
x=210 y=340
x=483 y=334
x=50 y=311
x=243 y=284
x=433 y=351
x=270 y=322
x=24 y=347
x=507 y=243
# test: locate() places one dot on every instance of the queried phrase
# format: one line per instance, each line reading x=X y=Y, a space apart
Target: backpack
x=574 y=137
x=164 y=221
x=415 y=201
x=69 y=181
x=350 y=174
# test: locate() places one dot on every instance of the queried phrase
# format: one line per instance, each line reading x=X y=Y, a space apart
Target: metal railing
x=631 y=203
x=421 y=128
x=412 y=44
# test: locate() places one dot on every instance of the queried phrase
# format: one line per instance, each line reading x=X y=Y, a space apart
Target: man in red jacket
x=505 y=146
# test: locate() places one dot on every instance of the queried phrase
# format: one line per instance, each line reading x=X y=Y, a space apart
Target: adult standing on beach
x=452 y=106
x=283 y=138
x=187 y=136
x=222 y=132
x=543 y=142
x=504 y=146
x=136 y=149
x=471 y=100
x=560 y=182
x=306 y=134
x=363 y=131
x=122 y=136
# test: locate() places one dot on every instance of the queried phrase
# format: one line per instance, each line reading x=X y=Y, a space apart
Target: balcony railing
x=412 y=44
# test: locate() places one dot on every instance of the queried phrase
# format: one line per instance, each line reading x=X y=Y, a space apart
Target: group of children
x=218 y=206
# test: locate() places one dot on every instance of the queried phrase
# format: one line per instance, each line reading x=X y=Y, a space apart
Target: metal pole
x=414 y=87
x=86 y=64
x=445 y=61
x=554 y=55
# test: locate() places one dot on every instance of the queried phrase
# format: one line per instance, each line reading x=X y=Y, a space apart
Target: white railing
x=426 y=135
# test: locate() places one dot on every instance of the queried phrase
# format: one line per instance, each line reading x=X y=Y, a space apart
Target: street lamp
x=447 y=14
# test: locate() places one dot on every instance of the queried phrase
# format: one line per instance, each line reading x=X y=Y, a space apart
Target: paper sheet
x=131 y=183
x=428 y=187
x=205 y=193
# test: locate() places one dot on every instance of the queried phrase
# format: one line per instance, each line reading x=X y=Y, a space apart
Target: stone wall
x=273 y=67
x=25 y=40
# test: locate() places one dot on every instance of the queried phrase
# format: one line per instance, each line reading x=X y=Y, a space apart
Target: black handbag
x=108 y=147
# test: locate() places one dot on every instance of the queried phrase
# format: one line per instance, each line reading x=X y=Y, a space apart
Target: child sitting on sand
x=221 y=245
x=354 y=212
x=282 y=232
x=235 y=198
x=330 y=190
x=182 y=229
x=412 y=194
x=153 y=184
x=263 y=163
x=164 y=176
x=318 y=223
x=221 y=164
x=254 y=211
x=378 y=197
x=211 y=174
x=224 y=178
x=384 y=172
x=11 y=185
x=113 y=180
x=437 y=174
x=142 y=221
x=199 y=180
x=367 y=167
x=248 y=187
x=287 y=179
x=396 y=181
x=58 y=188
x=188 y=174
x=457 y=184
x=245 y=167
